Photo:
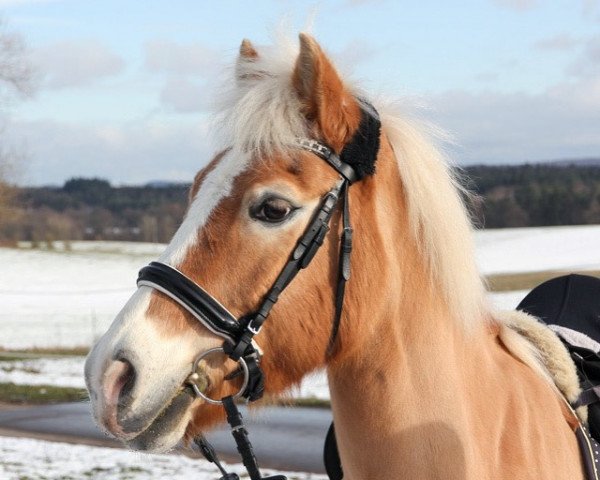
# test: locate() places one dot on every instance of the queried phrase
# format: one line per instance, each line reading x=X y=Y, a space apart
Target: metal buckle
x=191 y=379
x=251 y=329
x=315 y=147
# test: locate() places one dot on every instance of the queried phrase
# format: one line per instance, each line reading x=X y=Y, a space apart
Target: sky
x=124 y=87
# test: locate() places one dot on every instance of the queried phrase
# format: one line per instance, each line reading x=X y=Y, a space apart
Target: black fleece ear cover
x=361 y=152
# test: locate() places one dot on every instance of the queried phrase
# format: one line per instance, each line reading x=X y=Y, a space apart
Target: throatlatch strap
x=343 y=270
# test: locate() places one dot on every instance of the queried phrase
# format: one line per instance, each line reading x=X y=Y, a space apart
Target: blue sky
x=124 y=85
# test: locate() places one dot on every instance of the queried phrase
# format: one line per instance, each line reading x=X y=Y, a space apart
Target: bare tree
x=17 y=81
x=17 y=78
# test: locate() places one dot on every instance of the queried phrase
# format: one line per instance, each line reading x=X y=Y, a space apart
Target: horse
x=427 y=380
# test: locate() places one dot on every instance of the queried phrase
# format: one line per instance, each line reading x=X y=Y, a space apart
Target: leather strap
x=191 y=296
x=589 y=453
x=305 y=250
x=330 y=157
x=587 y=397
x=240 y=434
x=343 y=271
x=210 y=454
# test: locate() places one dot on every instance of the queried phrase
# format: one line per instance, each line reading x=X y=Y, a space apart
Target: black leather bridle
x=239 y=333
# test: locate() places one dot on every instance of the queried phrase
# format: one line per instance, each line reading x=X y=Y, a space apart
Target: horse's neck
x=397 y=399
x=415 y=396
x=424 y=401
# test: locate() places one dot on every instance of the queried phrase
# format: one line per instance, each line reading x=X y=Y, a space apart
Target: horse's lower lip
x=166 y=421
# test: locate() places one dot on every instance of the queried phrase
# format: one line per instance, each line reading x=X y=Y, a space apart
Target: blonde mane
x=437 y=215
x=261 y=113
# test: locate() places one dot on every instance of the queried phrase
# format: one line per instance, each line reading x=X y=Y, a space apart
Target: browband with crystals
x=330 y=157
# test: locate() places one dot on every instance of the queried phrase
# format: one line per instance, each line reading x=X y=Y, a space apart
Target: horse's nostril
x=126 y=380
x=119 y=380
x=118 y=383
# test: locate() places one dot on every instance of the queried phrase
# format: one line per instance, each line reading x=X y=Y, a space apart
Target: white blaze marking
x=216 y=186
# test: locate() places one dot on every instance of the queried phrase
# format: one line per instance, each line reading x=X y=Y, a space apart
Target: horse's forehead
x=235 y=172
x=202 y=174
x=299 y=168
x=211 y=186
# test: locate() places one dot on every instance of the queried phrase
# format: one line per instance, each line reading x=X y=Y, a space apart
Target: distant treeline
x=92 y=209
x=536 y=195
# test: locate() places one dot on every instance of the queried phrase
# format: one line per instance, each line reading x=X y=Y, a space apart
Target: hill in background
x=535 y=194
x=558 y=193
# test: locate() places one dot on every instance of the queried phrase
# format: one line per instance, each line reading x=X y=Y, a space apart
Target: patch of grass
x=506 y=282
x=29 y=353
x=309 y=402
x=13 y=357
x=40 y=394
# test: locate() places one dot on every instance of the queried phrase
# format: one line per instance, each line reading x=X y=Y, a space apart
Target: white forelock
x=258 y=109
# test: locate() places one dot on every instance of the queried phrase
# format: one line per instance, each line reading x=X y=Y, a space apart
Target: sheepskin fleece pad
x=553 y=353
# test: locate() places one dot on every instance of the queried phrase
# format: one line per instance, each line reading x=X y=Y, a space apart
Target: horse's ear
x=245 y=69
x=247 y=50
x=324 y=97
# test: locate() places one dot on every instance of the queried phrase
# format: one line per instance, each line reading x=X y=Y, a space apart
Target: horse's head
x=247 y=209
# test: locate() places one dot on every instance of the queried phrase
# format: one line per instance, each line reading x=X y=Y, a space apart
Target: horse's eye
x=272 y=210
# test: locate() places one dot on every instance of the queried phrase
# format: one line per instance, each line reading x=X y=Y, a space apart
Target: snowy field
x=68 y=299
x=60 y=372
x=514 y=250
x=27 y=459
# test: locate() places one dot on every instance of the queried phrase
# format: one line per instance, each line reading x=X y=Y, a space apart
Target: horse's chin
x=169 y=427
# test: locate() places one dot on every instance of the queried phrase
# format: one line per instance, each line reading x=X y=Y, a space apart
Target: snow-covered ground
x=60 y=372
x=27 y=459
x=66 y=299
x=58 y=298
x=538 y=249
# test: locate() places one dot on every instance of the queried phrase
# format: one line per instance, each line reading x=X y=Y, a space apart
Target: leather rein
x=238 y=334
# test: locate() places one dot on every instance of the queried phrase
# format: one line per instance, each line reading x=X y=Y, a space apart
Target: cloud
x=191 y=71
x=487 y=77
x=518 y=5
x=508 y=128
x=590 y=7
x=76 y=63
x=123 y=153
x=588 y=62
x=163 y=56
x=355 y=52
x=184 y=96
x=560 y=42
